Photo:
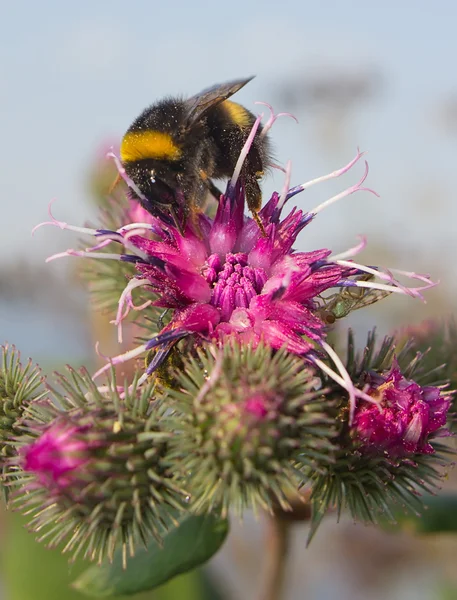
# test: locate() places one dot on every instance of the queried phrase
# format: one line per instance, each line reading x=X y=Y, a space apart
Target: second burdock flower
x=404 y=418
x=392 y=451
x=95 y=474
x=252 y=425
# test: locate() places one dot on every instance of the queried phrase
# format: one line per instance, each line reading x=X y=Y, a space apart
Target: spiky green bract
x=107 y=279
x=252 y=424
x=366 y=483
x=92 y=467
x=19 y=385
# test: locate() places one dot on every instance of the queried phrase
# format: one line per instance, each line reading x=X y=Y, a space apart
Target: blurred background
x=380 y=76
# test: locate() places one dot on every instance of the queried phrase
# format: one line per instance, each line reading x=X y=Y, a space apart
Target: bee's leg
x=213 y=189
x=179 y=225
x=194 y=204
x=251 y=172
x=254 y=199
x=195 y=211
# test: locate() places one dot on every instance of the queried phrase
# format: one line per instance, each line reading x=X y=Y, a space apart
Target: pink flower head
x=137 y=214
x=56 y=456
x=225 y=278
x=405 y=417
x=258 y=406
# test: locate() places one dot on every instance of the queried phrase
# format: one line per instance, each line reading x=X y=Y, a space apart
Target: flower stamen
x=285 y=189
x=243 y=155
x=269 y=124
x=126 y=299
x=347 y=192
x=130 y=183
x=304 y=186
x=394 y=286
x=351 y=251
x=62 y=224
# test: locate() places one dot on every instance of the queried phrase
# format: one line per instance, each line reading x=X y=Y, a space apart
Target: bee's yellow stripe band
x=141 y=145
x=238 y=113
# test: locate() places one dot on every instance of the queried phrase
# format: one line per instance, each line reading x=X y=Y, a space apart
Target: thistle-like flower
x=403 y=420
x=251 y=424
x=106 y=280
x=392 y=450
x=224 y=279
x=95 y=473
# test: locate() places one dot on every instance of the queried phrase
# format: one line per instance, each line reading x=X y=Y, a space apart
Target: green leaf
x=49 y=575
x=186 y=547
x=439 y=516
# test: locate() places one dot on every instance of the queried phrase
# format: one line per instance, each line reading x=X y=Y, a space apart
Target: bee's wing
x=197 y=105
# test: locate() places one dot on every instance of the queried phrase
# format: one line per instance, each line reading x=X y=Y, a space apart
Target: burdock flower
x=393 y=450
x=95 y=473
x=58 y=455
x=251 y=426
x=404 y=418
x=223 y=278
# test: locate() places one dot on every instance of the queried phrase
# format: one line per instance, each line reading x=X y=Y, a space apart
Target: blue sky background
x=75 y=74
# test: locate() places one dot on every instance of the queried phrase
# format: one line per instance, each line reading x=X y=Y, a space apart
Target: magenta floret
x=405 y=419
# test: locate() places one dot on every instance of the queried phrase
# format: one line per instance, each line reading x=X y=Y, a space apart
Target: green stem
x=277 y=542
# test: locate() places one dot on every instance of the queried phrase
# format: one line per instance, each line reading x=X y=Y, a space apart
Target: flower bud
x=252 y=423
x=19 y=385
x=95 y=474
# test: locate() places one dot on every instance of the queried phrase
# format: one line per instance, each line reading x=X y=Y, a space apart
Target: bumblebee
x=174 y=149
